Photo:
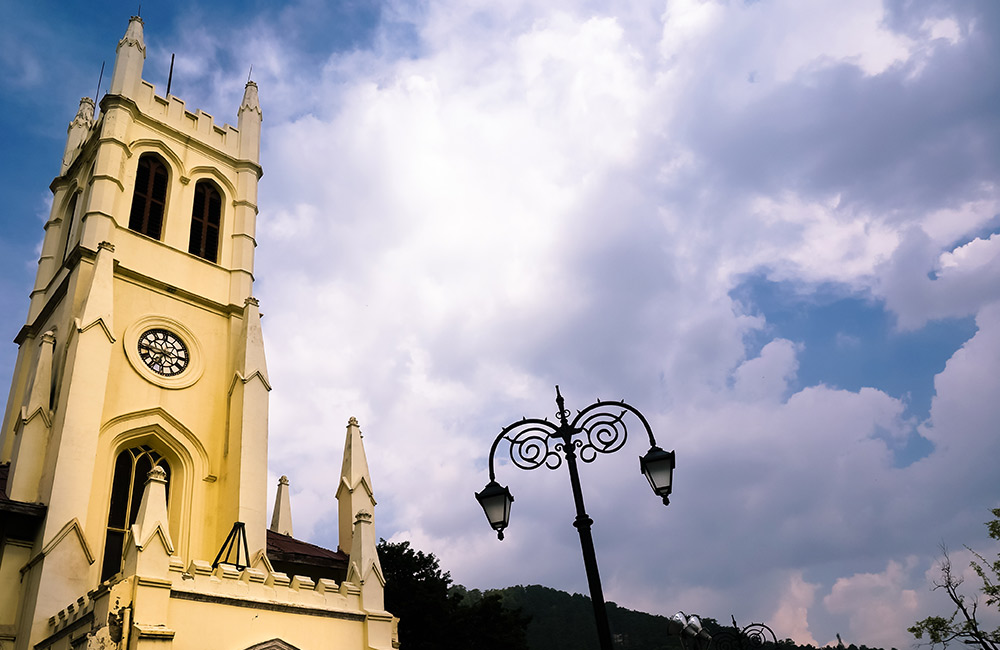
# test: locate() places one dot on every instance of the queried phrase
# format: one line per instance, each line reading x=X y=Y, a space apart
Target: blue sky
x=851 y=341
x=772 y=226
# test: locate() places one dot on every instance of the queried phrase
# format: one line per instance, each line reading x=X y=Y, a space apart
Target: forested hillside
x=437 y=614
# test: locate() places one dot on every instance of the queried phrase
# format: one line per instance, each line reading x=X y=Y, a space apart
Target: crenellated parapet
x=172 y=112
x=71 y=615
x=150 y=608
x=256 y=587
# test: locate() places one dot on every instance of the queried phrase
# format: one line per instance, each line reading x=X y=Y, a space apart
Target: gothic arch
x=145 y=145
x=177 y=437
x=72 y=189
x=189 y=463
x=212 y=173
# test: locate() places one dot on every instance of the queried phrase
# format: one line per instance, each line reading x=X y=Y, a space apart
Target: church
x=133 y=453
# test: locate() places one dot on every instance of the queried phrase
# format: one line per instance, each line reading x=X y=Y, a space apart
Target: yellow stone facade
x=90 y=384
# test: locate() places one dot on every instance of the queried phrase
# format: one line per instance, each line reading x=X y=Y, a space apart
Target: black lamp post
x=599 y=428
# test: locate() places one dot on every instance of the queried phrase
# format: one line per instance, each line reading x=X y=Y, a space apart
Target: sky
x=772 y=226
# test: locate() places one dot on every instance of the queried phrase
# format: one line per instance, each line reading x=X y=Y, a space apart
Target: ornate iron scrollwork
x=534 y=443
x=752 y=637
x=601 y=428
x=757 y=634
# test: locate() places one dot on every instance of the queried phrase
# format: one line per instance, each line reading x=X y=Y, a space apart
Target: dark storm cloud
x=923 y=134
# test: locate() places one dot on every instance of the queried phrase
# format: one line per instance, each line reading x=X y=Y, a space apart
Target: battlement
x=82 y=608
x=262 y=585
x=227 y=585
x=172 y=111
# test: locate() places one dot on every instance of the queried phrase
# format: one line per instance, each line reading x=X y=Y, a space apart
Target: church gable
x=273 y=644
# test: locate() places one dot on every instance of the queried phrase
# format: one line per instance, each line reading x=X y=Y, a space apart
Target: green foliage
x=434 y=615
x=963 y=624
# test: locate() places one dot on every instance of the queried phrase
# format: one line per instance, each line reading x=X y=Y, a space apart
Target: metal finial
x=100 y=78
x=561 y=403
x=170 y=76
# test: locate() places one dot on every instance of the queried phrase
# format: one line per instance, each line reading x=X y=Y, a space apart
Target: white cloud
x=487 y=216
x=766 y=377
x=877 y=605
x=791 y=617
x=445 y=235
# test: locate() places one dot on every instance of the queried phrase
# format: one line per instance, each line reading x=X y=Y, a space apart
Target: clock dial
x=164 y=352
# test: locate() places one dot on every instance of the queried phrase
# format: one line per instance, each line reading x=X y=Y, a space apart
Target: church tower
x=142 y=344
x=135 y=435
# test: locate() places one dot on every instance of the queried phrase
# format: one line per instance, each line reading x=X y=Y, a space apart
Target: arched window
x=205 y=217
x=149 y=197
x=70 y=226
x=131 y=469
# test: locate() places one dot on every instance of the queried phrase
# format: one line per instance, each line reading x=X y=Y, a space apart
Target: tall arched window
x=205 y=217
x=70 y=226
x=149 y=197
x=131 y=469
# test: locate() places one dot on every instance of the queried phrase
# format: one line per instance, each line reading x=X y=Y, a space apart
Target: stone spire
x=247 y=435
x=281 y=520
x=31 y=441
x=129 y=57
x=149 y=540
x=98 y=309
x=250 y=117
x=354 y=493
x=251 y=359
x=77 y=131
x=41 y=385
x=364 y=568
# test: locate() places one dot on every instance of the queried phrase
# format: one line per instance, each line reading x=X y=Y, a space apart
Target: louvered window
x=70 y=226
x=149 y=197
x=205 y=217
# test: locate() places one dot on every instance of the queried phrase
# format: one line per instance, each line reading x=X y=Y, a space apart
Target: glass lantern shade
x=676 y=624
x=495 y=500
x=658 y=467
x=693 y=626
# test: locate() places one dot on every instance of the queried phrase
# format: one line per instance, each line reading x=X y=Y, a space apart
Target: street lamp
x=689 y=627
x=599 y=428
x=496 y=500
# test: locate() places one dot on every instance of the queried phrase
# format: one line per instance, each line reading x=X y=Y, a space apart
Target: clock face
x=164 y=352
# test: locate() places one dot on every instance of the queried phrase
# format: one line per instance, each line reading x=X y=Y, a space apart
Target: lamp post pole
x=583 y=524
x=599 y=428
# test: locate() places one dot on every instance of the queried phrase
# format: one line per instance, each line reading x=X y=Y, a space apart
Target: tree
x=963 y=624
x=433 y=615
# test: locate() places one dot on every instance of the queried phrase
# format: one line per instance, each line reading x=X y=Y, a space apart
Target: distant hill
x=562 y=621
